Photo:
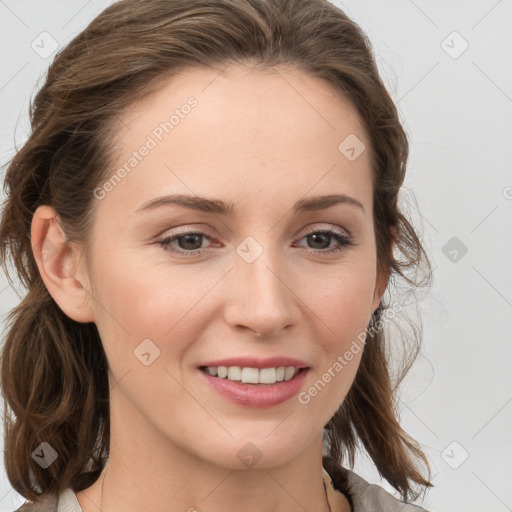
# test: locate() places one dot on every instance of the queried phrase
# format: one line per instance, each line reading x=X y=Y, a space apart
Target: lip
x=256 y=395
x=254 y=362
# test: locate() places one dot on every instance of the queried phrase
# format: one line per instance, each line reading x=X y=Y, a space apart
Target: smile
x=249 y=375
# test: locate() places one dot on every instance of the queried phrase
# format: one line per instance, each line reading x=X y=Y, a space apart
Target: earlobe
x=57 y=265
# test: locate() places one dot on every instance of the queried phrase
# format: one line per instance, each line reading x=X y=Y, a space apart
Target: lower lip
x=257 y=395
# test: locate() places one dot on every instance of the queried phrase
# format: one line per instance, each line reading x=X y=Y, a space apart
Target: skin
x=262 y=140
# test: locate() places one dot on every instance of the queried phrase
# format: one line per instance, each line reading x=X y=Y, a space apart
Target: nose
x=260 y=298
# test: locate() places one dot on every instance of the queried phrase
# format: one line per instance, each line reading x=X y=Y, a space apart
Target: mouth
x=248 y=386
x=254 y=376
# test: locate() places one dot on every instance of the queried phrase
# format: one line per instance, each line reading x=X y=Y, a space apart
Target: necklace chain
x=326 y=497
x=102 y=483
x=105 y=473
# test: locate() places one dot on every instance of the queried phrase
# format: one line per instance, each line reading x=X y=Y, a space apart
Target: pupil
x=315 y=236
x=190 y=239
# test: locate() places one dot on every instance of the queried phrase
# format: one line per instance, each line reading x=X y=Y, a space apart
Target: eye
x=189 y=243
x=321 y=239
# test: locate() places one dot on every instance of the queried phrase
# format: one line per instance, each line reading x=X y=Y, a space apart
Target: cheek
x=137 y=301
x=342 y=311
x=343 y=299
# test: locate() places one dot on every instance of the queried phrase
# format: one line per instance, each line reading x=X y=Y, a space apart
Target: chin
x=261 y=450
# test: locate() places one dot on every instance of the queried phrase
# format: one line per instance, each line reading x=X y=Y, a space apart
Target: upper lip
x=255 y=362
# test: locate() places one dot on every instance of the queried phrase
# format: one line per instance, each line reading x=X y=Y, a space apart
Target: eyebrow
x=216 y=206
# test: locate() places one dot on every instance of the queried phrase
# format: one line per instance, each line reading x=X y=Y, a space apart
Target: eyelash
x=344 y=241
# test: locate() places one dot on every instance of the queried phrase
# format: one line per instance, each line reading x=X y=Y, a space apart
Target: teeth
x=253 y=375
x=247 y=375
x=289 y=373
x=267 y=375
x=234 y=373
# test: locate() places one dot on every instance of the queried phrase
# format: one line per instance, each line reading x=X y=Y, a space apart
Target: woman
x=205 y=216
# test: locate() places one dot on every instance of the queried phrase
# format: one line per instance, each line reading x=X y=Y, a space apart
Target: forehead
x=274 y=132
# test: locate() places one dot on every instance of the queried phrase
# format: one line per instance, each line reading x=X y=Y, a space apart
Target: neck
x=147 y=471
x=216 y=489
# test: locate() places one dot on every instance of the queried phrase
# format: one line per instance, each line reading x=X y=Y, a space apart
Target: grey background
x=456 y=106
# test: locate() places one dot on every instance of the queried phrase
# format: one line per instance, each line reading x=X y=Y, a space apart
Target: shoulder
x=47 y=503
x=363 y=496
x=370 y=497
x=65 y=502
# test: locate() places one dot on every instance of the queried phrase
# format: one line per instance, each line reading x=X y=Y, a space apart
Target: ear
x=380 y=287
x=382 y=279
x=57 y=261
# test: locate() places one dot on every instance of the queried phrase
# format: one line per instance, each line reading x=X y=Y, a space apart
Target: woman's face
x=262 y=280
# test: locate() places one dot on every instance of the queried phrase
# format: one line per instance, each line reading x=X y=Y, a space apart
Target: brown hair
x=53 y=369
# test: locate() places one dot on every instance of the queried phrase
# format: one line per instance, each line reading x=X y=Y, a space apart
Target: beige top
x=366 y=497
